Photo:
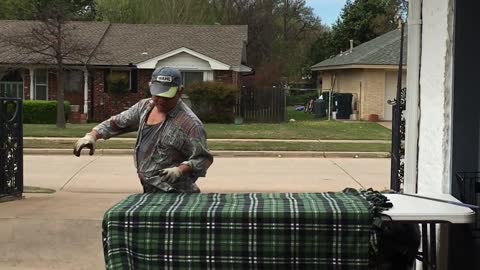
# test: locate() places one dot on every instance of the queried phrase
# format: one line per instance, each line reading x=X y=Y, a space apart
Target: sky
x=327 y=10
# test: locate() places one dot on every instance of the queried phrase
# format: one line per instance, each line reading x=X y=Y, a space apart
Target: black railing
x=11 y=148
x=398 y=127
x=398 y=142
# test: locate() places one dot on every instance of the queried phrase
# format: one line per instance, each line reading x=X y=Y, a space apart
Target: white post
x=32 y=85
x=413 y=89
x=85 y=92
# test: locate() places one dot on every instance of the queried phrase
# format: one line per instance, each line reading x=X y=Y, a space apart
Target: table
x=428 y=213
x=328 y=230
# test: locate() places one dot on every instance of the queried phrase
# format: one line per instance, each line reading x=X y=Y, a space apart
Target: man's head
x=166 y=87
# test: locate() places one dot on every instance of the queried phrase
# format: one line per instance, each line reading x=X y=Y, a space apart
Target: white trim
x=85 y=92
x=214 y=64
x=242 y=68
x=32 y=85
x=393 y=67
x=412 y=121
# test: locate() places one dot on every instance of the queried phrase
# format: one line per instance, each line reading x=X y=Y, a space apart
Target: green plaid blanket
x=239 y=231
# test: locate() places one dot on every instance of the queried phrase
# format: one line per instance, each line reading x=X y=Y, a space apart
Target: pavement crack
x=81 y=169
x=353 y=178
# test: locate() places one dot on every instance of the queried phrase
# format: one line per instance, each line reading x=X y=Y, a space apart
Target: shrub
x=213 y=102
x=42 y=112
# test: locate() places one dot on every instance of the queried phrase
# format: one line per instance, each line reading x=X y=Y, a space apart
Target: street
x=116 y=174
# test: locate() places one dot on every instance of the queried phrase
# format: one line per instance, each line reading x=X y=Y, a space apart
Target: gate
x=398 y=127
x=265 y=105
x=11 y=148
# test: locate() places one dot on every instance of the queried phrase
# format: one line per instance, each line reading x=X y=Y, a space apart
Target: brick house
x=368 y=71
x=201 y=52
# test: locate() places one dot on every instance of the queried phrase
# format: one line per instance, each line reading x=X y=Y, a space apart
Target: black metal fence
x=265 y=105
x=11 y=148
x=398 y=142
x=398 y=127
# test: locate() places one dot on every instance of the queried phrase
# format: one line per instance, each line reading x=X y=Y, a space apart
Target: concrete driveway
x=63 y=230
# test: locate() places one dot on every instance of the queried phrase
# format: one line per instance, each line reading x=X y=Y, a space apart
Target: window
x=11 y=84
x=11 y=89
x=190 y=77
x=41 y=84
x=73 y=81
x=131 y=75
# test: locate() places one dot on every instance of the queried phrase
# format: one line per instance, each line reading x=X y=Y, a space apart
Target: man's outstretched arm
x=87 y=141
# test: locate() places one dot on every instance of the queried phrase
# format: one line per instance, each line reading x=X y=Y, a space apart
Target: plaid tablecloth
x=238 y=231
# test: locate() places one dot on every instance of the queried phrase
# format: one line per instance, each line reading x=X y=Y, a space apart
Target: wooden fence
x=264 y=105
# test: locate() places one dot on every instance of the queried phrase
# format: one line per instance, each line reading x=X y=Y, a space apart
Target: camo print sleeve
x=124 y=122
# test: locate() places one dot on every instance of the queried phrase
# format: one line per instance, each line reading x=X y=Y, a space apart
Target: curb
x=276 y=154
x=227 y=140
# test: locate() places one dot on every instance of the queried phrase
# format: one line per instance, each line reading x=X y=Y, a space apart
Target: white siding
x=184 y=61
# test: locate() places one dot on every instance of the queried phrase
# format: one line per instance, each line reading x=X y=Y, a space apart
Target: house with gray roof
x=200 y=52
x=368 y=71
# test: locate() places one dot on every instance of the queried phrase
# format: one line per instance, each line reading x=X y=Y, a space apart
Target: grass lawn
x=305 y=127
x=243 y=146
x=293 y=130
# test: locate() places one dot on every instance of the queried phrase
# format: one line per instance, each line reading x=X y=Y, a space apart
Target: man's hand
x=87 y=141
x=170 y=175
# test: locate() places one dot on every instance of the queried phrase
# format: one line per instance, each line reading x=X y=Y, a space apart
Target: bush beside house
x=42 y=112
x=213 y=102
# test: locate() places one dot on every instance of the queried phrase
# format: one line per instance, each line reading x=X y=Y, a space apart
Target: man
x=171 y=150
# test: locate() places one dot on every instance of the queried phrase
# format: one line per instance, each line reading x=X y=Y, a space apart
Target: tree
x=361 y=21
x=298 y=29
x=154 y=11
x=52 y=39
x=30 y=9
x=364 y=20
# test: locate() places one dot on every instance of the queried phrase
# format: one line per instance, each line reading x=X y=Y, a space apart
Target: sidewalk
x=63 y=230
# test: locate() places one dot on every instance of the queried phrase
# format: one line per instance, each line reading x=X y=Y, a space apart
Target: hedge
x=42 y=112
x=213 y=102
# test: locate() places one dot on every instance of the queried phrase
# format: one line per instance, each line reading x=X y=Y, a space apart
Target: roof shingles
x=87 y=33
x=124 y=44
x=383 y=50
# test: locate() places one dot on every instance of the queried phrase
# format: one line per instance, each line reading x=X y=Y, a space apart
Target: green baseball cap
x=165 y=82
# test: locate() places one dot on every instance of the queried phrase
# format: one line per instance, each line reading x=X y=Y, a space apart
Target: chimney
x=351 y=45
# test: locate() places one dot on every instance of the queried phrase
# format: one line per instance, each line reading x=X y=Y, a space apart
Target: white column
x=436 y=79
x=85 y=92
x=32 y=85
x=413 y=88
